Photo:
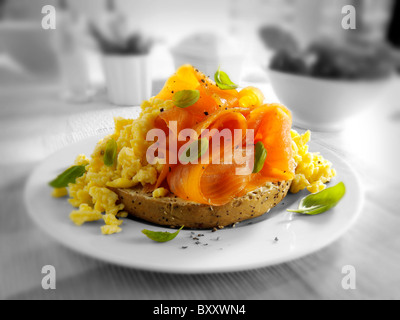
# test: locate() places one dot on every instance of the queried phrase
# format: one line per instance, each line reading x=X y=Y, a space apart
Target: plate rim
x=196 y=270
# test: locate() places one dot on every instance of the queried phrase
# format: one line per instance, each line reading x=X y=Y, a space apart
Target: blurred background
x=110 y=53
x=205 y=32
x=60 y=86
x=105 y=54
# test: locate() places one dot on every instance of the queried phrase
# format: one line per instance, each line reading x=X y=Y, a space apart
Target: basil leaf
x=223 y=81
x=198 y=148
x=322 y=201
x=161 y=236
x=186 y=98
x=68 y=176
x=260 y=157
x=111 y=153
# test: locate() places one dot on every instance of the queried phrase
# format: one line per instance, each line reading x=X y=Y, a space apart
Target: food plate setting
x=260 y=197
x=174 y=154
x=274 y=238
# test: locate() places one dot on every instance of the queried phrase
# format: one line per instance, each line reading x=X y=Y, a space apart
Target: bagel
x=175 y=212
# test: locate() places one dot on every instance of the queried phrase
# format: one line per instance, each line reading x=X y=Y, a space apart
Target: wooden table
x=34 y=122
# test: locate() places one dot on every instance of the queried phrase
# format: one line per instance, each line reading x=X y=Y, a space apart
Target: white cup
x=128 y=79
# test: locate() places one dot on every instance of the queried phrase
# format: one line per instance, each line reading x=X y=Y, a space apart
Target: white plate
x=249 y=245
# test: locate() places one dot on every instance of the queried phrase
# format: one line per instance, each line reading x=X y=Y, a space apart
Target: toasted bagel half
x=175 y=212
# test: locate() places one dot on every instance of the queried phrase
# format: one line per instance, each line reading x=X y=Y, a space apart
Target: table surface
x=35 y=122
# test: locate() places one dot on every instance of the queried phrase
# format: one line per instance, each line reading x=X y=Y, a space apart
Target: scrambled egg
x=59 y=192
x=160 y=193
x=90 y=193
x=111 y=220
x=108 y=230
x=85 y=214
x=312 y=171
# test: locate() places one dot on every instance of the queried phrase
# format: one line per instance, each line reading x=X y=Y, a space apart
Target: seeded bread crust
x=175 y=212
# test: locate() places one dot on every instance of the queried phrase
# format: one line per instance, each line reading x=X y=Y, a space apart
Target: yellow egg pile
x=312 y=171
x=91 y=195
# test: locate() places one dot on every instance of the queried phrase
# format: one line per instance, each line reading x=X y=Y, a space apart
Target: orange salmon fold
x=218 y=184
x=213 y=183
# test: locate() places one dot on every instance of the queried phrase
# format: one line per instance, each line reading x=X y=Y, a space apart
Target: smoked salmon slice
x=218 y=182
x=211 y=99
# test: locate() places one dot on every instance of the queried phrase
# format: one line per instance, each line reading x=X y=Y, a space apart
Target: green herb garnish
x=161 y=236
x=111 y=153
x=186 y=98
x=68 y=176
x=322 y=201
x=223 y=81
x=260 y=157
x=194 y=151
